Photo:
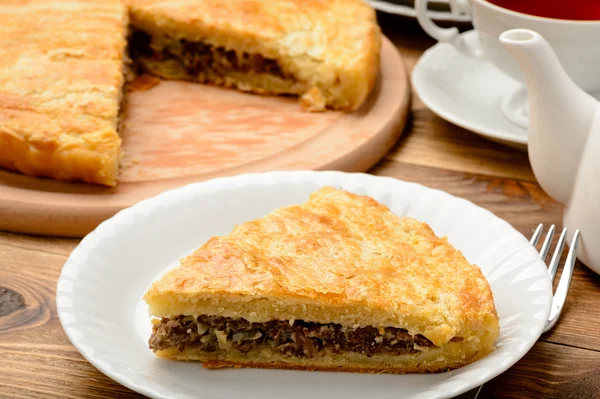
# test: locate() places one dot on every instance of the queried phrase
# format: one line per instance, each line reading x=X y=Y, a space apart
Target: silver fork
x=560 y=295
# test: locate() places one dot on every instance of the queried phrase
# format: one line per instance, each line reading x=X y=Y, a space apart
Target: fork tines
x=560 y=295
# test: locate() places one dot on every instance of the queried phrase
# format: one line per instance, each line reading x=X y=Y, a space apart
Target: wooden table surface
x=38 y=361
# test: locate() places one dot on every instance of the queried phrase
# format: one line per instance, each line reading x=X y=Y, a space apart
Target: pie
x=338 y=283
x=61 y=79
x=62 y=67
x=326 y=51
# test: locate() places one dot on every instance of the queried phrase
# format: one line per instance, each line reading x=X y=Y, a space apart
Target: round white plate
x=100 y=289
x=467 y=92
x=407 y=9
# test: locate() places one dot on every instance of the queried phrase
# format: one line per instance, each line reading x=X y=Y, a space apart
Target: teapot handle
x=447 y=35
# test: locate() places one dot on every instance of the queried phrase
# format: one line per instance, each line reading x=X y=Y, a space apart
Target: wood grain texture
x=549 y=371
x=179 y=132
x=10 y=301
x=37 y=360
x=431 y=141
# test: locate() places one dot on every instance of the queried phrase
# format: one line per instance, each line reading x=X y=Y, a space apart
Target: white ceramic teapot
x=564 y=138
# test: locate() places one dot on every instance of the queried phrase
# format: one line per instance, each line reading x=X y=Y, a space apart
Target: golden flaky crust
x=61 y=77
x=338 y=258
x=331 y=47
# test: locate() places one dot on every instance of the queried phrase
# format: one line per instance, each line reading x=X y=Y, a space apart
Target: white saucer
x=469 y=92
x=407 y=9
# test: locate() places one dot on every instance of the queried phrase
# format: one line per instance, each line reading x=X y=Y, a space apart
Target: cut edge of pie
x=325 y=53
x=439 y=359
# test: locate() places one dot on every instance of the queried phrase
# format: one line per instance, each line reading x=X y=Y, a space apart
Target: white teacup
x=576 y=43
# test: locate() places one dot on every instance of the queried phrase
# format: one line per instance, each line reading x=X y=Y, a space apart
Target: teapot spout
x=560 y=113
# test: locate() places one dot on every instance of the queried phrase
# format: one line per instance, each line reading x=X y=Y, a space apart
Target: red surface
x=579 y=10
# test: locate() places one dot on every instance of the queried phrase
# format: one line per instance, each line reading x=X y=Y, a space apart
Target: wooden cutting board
x=177 y=133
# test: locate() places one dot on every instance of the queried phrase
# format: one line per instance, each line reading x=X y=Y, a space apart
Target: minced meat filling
x=198 y=57
x=300 y=338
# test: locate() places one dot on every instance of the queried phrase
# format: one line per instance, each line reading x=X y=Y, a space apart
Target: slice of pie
x=337 y=283
x=61 y=78
x=326 y=51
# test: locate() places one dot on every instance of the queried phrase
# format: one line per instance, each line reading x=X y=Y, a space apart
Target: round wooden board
x=178 y=133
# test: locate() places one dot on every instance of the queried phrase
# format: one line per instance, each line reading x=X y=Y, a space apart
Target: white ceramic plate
x=407 y=9
x=101 y=285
